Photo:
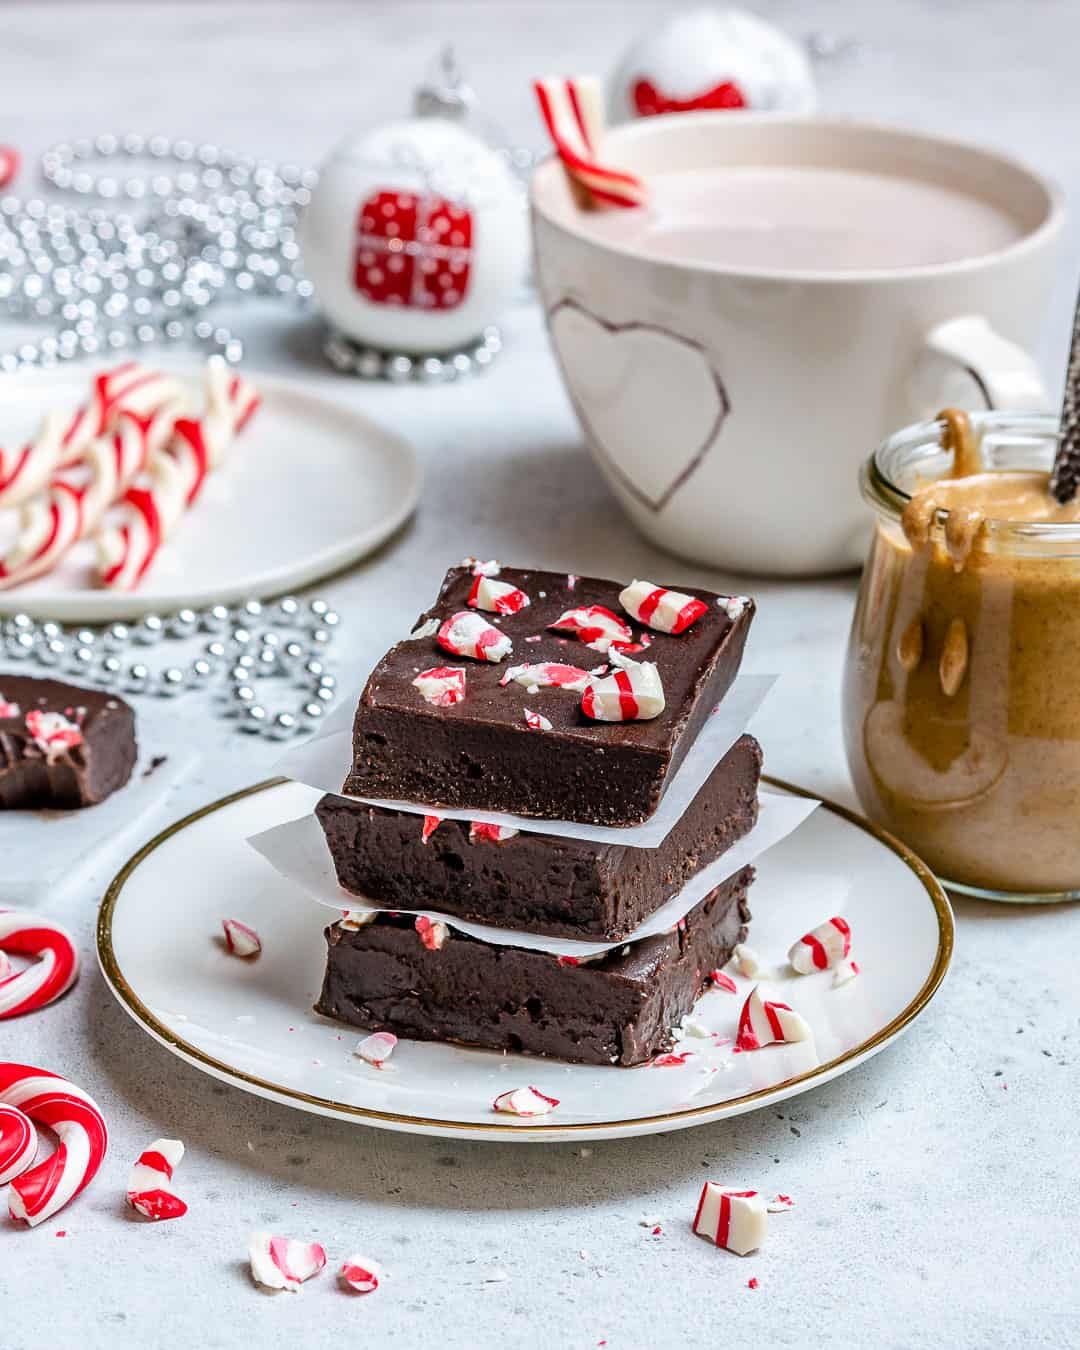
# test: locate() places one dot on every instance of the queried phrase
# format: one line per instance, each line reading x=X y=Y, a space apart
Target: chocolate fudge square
x=538 y=882
x=481 y=752
x=619 y=1009
x=61 y=746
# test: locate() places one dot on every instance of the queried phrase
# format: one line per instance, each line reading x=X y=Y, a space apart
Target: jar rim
x=917 y=447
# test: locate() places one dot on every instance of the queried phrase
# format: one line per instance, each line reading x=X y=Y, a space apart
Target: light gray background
x=936 y=1186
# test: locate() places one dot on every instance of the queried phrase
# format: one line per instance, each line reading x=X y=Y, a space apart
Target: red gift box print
x=413 y=250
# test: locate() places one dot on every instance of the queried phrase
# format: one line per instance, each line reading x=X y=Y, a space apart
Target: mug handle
x=965 y=363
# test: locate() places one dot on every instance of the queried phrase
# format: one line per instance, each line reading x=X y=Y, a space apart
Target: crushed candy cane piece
x=779 y=1204
x=548 y=675
x=52 y=732
x=361 y=1274
x=492 y=834
x=747 y=961
x=524 y=1101
x=150 y=1189
x=377 y=1048
x=497 y=597
x=355 y=919
x=8 y=711
x=673 y=1059
x=441 y=686
x=240 y=939
x=721 y=981
x=663 y=610
x=283 y=1263
x=594 y=625
x=491 y=568
x=536 y=721
x=426 y=629
x=733 y=605
x=633 y=693
x=430 y=825
x=691 y=1027
x=844 y=973
x=766 y=1022
x=733 y=1219
x=822 y=947
x=467 y=634
x=626 y=648
x=18 y=1143
x=432 y=935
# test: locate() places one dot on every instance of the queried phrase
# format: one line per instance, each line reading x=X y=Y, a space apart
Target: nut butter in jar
x=962 y=684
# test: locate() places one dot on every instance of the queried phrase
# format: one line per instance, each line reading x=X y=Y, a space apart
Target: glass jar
x=962 y=684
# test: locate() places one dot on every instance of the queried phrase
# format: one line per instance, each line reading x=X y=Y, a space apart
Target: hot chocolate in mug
x=793 y=290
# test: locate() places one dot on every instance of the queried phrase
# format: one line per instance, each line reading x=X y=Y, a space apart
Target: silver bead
x=243 y=694
x=150 y=630
x=216 y=619
x=432 y=370
x=81 y=660
x=53 y=652
x=314 y=668
x=19 y=623
x=48 y=632
x=270 y=639
x=321 y=637
x=116 y=637
x=292 y=655
x=398 y=369
x=324 y=695
x=254 y=717
x=283 y=726
x=201 y=671
x=85 y=637
x=110 y=670
x=288 y=608
x=171 y=682
x=20 y=646
x=368 y=365
x=317 y=608
x=215 y=652
x=311 y=714
x=267 y=661
x=137 y=678
x=241 y=673
x=183 y=623
x=249 y=611
x=327 y=682
x=241 y=637
x=331 y=619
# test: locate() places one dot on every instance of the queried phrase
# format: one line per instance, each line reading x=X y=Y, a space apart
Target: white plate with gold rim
x=308 y=488
x=251 y=1023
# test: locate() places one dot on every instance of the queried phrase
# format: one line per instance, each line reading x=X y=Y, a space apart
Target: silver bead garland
x=285 y=645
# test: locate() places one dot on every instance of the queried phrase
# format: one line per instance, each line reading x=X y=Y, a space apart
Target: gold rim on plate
x=141 y=1013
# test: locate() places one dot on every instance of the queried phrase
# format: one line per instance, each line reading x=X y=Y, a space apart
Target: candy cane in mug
x=54 y=972
x=151 y=509
x=571 y=109
x=76 y=1120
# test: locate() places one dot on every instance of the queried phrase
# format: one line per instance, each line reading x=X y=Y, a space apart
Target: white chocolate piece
x=747 y=961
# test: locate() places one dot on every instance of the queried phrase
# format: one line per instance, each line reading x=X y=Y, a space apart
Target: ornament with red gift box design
x=416 y=237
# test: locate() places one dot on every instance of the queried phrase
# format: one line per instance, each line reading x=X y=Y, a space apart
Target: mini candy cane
x=18 y=1143
x=497 y=597
x=665 y=611
x=56 y=969
x=65 y=439
x=74 y=502
x=594 y=625
x=493 y=834
x=764 y=1022
x=467 y=634
x=75 y=1118
x=282 y=1263
x=432 y=935
x=150 y=1188
x=548 y=675
x=361 y=1274
x=430 y=825
x=524 y=1101
x=634 y=693
x=571 y=109
x=441 y=686
x=150 y=510
x=822 y=947
x=733 y=1219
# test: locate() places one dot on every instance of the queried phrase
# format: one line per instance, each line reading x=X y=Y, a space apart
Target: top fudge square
x=441 y=723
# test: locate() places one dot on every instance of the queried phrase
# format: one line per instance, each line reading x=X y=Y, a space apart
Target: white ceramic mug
x=730 y=409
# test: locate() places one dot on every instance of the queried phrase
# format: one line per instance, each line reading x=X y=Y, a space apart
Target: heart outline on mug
x=703 y=443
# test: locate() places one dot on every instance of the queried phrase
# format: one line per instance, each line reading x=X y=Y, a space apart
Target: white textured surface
x=935 y=1187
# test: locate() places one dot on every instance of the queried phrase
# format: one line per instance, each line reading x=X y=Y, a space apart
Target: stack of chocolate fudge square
x=554 y=697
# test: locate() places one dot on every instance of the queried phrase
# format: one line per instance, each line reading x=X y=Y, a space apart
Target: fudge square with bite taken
x=545 y=694
x=430 y=982
x=537 y=882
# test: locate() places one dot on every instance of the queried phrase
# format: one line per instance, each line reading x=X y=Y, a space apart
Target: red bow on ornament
x=650 y=101
x=9 y=164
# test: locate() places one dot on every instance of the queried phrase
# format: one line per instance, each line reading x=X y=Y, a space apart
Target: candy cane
x=571 y=109
x=65 y=439
x=283 y=1263
x=77 y=1121
x=823 y=947
x=151 y=510
x=733 y=1219
x=56 y=969
x=18 y=1143
x=76 y=499
x=150 y=1188
x=768 y=1021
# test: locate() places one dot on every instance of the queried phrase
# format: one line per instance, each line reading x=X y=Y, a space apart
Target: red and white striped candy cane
x=767 y=1022
x=822 y=947
x=150 y=1188
x=151 y=509
x=572 y=111
x=54 y=972
x=65 y=438
x=75 y=1118
x=74 y=502
x=18 y=1143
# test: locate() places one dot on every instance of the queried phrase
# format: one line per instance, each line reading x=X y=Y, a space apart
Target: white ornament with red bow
x=712 y=60
x=415 y=237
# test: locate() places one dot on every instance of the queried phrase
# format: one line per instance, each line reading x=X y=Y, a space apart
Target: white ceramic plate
x=251 y=1024
x=309 y=487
